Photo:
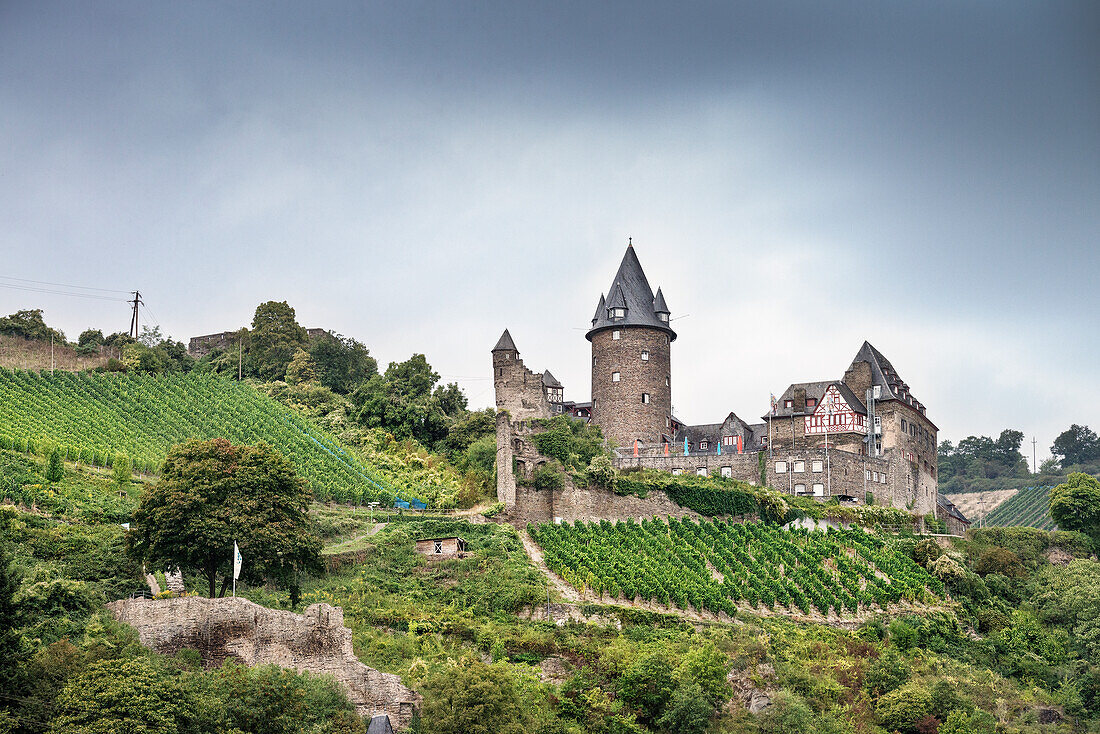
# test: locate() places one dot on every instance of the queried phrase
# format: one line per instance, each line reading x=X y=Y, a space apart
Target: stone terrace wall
x=317 y=642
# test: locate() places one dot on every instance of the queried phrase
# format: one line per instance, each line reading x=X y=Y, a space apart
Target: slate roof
x=505 y=343
x=886 y=377
x=659 y=305
x=816 y=390
x=631 y=290
x=950 y=508
x=548 y=380
x=380 y=724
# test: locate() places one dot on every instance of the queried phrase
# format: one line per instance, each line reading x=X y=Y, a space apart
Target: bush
x=788 y=713
x=600 y=472
x=999 y=560
x=548 y=477
x=903 y=708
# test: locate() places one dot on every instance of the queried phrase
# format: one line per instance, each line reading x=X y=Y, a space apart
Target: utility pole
x=1033 y=442
x=51 y=354
x=134 y=319
x=240 y=359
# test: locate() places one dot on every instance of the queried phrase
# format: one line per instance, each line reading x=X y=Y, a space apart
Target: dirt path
x=535 y=554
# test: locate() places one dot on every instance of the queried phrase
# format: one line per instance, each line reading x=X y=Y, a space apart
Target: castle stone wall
x=617 y=407
x=518 y=390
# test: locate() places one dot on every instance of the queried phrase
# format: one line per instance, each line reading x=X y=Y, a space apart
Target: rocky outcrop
x=317 y=642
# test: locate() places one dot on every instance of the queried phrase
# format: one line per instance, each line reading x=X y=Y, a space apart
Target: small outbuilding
x=453 y=547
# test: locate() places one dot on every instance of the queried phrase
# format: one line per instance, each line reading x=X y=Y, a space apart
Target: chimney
x=858 y=377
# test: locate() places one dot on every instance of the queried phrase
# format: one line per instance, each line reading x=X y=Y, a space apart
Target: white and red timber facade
x=860 y=438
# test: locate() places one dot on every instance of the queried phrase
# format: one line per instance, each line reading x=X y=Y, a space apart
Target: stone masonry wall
x=518 y=390
x=617 y=407
x=317 y=642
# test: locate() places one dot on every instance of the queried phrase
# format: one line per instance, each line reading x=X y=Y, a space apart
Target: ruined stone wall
x=617 y=407
x=744 y=467
x=317 y=642
x=518 y=390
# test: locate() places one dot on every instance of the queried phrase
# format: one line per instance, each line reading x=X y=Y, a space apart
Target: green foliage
x=759 y=564
x=213 y=494
x=120 y=470
x=962 y=722
x=342 y=363
x=886 y=674
x=401 y=401
x=705 y=668
x=548 y=477
x=1075 y=505
x=1076 y=445
x=571 y=441
x=55 y=472
x=1069 y=596
x=601 y=472
x=788 y=713
x=120 y=697
x=301 y=369
x=903 y=708
x=474 y=698
x=647 y=686
x=274 y=339
x=688 y=711
x=999 y=560
x=29 y=324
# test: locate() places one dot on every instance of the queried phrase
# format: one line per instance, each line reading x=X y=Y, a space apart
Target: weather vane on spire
x=629 y=241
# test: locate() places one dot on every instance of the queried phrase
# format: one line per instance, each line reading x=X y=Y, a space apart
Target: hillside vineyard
x=753 y=564
x=92 y=417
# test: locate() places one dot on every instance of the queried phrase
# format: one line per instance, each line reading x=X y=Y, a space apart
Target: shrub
x=904 y=708
x=999 y=560
x=886 y=674
x=600 y=472
x=926 y=550
x=548 y=477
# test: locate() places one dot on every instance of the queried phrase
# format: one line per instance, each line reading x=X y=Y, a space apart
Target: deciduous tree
x=213 y=493
x=275 y=337
x=1075 y=505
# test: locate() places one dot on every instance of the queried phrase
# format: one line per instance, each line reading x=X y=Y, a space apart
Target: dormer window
x=662 y=317
x=703 y=445
x=616 y=313
x=788 y=403
x=811 y=402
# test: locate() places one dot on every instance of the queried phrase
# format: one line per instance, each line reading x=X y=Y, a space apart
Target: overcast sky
x=797 y=176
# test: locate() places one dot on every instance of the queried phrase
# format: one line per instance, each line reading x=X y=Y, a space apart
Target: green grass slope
x=1030 y=507
x=93 y=417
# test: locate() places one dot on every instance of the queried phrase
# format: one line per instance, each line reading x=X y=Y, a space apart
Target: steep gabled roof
x=380 y=724
x=950 y=508
x=548 y=380
x=505 y=343
x=886 y=377
x=629 y=290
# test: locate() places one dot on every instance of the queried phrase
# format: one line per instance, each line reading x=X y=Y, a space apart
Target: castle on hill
x=862 y=437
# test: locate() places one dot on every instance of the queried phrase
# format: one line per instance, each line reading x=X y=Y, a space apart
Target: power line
x=94 y=296
x=62 y=285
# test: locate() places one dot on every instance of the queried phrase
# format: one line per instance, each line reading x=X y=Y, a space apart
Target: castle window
x=701 y=471
x=645 y=355
x=882 y=478
x=904 y=426
x=727 y=471
x=645 y=397
x=780 y=467
x=799 y=467
x=668 y=422
x=614 y=376
x=663 y=317
x=874 y=476
x=817 y=466
x=800 y=489
x=617 y=313
x=811 y=402
x=615 y=335
x=703 y=445
x=727 y=440
x=677 y=472
x=668 y=380
x=819 y=490
x=867 y=475
x=593 y=361
x=788 y=403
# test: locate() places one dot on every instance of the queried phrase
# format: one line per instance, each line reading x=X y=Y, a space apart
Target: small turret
x=660 y=307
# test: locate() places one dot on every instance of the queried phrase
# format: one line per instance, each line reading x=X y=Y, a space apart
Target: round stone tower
x=631 y=360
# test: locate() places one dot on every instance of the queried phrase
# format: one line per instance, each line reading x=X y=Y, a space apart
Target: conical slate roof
x=505 y=343
x=659 y=305
x=631 y=290
x=601 y=310
x=548 y=380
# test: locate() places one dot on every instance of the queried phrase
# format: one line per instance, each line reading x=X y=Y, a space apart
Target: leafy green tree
x=342 y=362
x=688 y=711
x=473 y=699
x=647 y=686
x=121 y=697
x=90 y=338
x=1076 y=445
x=301 y=369
x=788 y=713
x=213 y=493
x=55 y=470
x=707 y=667
x=275 y=337
x=963 y=722
x=1075 y=505
x=29 y=324
x=1069 y=596
x=12 y=651
x=401 y=401
x=903 y=708
x=451 y=399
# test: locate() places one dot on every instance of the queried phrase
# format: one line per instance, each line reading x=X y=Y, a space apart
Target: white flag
x=236 y=561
